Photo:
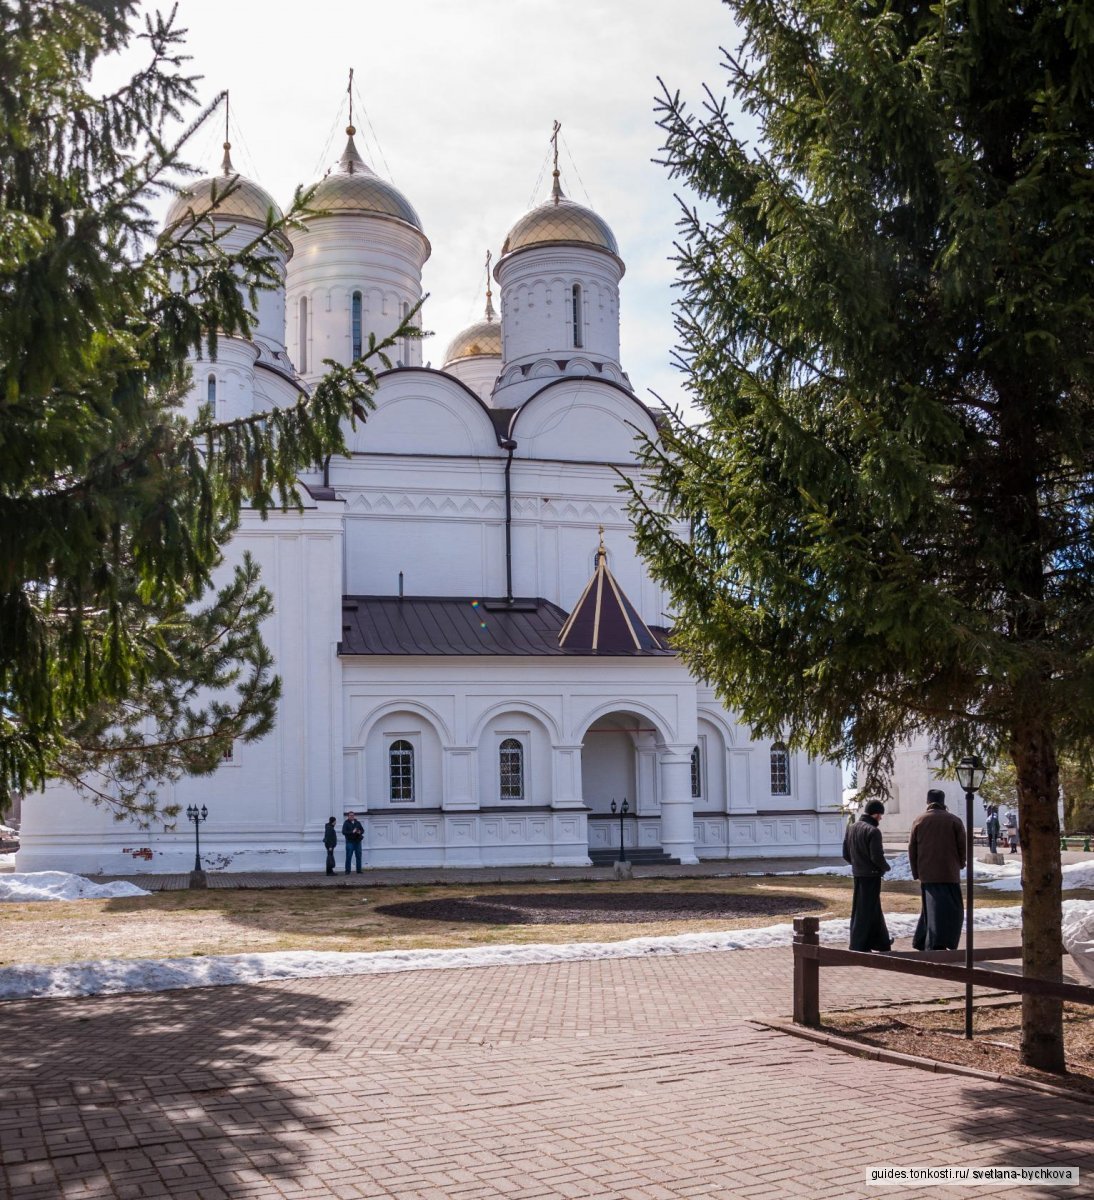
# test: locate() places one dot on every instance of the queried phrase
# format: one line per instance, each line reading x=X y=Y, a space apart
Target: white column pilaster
x=677 y=807
x=460 y=792
x=566 y=791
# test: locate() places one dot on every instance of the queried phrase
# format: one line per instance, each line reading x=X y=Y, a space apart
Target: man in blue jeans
x=353 y=832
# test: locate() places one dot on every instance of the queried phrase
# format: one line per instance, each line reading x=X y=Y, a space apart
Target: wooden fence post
x=806 y=972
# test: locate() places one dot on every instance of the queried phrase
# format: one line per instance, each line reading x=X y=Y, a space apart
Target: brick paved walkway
x=638 y=1079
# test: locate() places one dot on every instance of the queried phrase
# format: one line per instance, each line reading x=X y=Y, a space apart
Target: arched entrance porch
x=625 y=756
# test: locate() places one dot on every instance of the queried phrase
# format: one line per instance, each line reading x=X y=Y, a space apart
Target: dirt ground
x=939 y=1033
x=185 y=923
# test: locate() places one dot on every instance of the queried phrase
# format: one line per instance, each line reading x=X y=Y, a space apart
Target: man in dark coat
x=936 y=854
x=353 y=832
x=863 y=850
x=991 y=828
x=330 y=840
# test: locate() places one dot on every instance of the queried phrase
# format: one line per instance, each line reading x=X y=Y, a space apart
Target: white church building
x=474 y=659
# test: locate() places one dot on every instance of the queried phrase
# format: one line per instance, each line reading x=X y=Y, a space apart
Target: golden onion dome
x=560 y=222
x=237 y=198
x=354 y=187
x=483 y=339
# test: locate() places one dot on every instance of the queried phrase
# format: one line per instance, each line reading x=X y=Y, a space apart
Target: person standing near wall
x=1010 y=825
x=991 y=828
x=353 y=833
x=936 y=854
x=330 y=840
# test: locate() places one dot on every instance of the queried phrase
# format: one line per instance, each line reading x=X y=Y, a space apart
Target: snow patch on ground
x=1075 y=875
x=59 y=885
x=112 y=976
x=901 y=870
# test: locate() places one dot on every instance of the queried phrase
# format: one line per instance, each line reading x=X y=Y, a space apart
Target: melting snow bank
x=1001 y=877
x=59 y=885
x=112 y=976
x=1075 y=875
x=900 y=869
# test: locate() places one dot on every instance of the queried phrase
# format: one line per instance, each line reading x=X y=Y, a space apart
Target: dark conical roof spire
x=604 y=619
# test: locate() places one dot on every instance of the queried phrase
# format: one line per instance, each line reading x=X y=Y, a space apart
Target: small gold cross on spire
x=556 y=189
x=490 y=314
x=226 y=163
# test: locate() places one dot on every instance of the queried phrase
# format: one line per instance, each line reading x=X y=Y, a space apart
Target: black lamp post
x=970 y=774
x=622 y=814
x=193 y=813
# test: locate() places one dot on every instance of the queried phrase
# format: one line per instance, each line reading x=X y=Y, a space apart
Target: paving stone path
x=639 y=1079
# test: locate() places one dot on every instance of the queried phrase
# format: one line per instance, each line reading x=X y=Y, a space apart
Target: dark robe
x=868 y=928
x=940 y=917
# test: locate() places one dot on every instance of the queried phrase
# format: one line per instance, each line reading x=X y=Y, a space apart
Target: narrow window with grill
x=696 y=774
x=575 y=297
x=511 y=755
x=302 y=355
x=401 y=766
x=355 y=326
x=780 y=770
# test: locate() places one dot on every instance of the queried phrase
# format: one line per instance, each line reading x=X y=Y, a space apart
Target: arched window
x=578 y=315
x=780 y=770
x=302 y=357
x=696 y=774
x=400 y=758
x=511 y=763
x=211 y=390
x=356 y=346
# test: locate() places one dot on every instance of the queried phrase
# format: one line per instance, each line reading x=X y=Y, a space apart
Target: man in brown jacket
x=936 y=854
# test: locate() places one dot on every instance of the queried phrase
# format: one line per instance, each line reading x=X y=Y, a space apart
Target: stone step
x=640 y=858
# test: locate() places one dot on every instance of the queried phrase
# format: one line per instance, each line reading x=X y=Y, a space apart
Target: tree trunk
x=1034 y=752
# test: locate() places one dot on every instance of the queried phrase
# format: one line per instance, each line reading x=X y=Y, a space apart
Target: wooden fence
x=810 y=956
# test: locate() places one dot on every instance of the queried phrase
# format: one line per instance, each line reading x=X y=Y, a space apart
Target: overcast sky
x=460 y=96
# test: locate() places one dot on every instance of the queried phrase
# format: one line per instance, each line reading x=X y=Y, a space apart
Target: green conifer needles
x=120 y=663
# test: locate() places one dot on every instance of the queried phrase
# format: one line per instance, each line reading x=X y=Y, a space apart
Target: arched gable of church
x=581 y=419
x=425 y=412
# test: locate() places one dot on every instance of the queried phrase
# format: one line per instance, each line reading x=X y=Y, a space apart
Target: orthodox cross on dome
x=351 y=162
x=226 y=164
x=490 y=314
x=556 y=188
x=604 y=619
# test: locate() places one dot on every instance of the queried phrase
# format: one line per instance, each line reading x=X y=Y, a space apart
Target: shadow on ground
x=1037 y=1129
x=145 y=1089
x=622 y=908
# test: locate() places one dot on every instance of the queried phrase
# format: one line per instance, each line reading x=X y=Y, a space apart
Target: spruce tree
x=880 y=521
x=121 y=664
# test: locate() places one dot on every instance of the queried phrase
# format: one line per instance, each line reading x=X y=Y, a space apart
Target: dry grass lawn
x=184 y=923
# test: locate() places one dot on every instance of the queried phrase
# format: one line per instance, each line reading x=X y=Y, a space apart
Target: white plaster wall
x=268 y=805
x=479 y=373
x=915 y=771
x=438 y=513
